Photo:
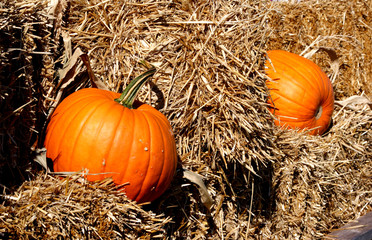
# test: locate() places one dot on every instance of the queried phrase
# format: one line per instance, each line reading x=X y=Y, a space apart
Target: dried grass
x=26 y=64
x=267 y=183
x=52 y=208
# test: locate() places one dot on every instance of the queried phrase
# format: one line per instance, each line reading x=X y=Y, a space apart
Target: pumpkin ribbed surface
x=301 y=94
x=90 y=131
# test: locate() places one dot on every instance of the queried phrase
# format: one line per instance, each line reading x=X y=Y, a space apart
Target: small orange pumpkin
x=111 y=135
x=301 y=94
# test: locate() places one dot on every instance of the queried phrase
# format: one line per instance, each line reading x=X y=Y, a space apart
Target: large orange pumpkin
x=301 y=94
x=124 y=139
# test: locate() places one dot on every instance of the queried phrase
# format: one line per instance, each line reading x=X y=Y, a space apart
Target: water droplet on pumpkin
x=146 y=149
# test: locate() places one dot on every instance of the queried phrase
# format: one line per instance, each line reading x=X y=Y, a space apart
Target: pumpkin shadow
x=329 y=128
x=160 y=102
x=182 y=201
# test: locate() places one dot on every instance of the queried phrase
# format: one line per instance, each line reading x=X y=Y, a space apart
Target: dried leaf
x=335 y=64
x=56 y=11
x=68 y=72
x=198 y=180
x=354 y=100
x=41 y=159
x=94 y=81
x=72 y=68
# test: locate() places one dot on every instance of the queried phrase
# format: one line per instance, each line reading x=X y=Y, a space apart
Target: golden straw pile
x=266 y=182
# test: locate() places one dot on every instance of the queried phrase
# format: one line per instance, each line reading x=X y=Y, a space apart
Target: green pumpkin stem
x=131 y=91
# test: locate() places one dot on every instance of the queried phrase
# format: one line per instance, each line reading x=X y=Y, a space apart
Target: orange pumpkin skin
x=90 y=131
x=301 y=94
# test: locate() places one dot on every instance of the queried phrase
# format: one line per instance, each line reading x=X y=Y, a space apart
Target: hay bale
x=267 y=183
x=71 y=208
x=26 y=65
